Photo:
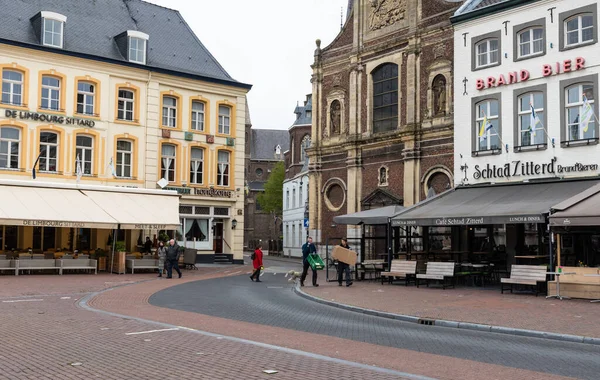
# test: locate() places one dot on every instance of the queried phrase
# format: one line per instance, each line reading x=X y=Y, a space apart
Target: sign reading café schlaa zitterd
x=557 y=68
x=42 y=117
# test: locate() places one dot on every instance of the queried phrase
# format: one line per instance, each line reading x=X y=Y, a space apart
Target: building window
x=124 y=158
x=51 y=93
x=196 y=230
x=198 y=116
x=53 y=33
x=579 y=29
x=224 y=120
x=531 y=42
x=48 y=152
x=125 y=105
x=487 y=52
x=486 y=125
x=86 y=92
x=137 y=50
x=167 y=169
x=287 y=199
x=10 y=139
x=385 y=98
x=223 y=168
x=169 y=113
x=300 y=200
x=531 y=117
x=84 y=149
x=197 y=166
x=294 y=198
x=259 y=172
x=12 y=87
x=305 y=145
x=579 y=110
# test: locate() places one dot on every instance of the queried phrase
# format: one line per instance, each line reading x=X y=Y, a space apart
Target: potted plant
x=101 y=257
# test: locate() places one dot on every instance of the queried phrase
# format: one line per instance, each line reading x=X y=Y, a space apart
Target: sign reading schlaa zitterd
x=56 y=119
x=529 y=168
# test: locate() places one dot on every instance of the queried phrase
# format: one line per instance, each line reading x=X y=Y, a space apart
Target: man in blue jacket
x=307 y=249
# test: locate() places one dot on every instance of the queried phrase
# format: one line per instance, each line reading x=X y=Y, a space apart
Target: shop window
x=84 y=239
x=487 y=125
x=12 y=87
x=580 y=112
x=224 y=119
x=385 y=98
x=198 y=116
x=167 y=170
x=51 y=87
x=202 y=210
x=223 y=168
x=124 y=158
x=186 y=209
x=221 y=211
x=10 y=145
x=197 y=166
x=86 y=93
x=195 y=230
x=531 y=119
x=85 y=152
x=48 y=152
x=125 y=106
x=9 y=238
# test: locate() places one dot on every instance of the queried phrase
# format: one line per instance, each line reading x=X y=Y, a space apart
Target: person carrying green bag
x=308 y=249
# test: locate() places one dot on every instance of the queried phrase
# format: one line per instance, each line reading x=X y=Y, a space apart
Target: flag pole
x=498 y=134
x=543 y=127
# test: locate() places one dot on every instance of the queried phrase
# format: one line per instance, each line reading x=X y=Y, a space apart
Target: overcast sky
x=267 y=43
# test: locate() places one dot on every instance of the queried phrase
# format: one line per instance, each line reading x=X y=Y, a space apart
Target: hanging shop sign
x=557 y=68
x=529 y=168
x=46 y=118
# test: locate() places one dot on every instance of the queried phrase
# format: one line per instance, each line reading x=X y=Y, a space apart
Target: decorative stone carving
x=337 y=80
x=386 y=13
x=336 y=117
x=439 y=95
x=439 y=51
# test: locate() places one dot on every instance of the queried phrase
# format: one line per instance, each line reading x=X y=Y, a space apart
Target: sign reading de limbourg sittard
x=528 y=168
x=36 y=116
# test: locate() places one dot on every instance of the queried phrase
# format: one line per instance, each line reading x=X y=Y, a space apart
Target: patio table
x=558 y=274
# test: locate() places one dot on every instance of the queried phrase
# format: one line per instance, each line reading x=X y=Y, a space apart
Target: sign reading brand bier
x=42 y=117
x=565 y=66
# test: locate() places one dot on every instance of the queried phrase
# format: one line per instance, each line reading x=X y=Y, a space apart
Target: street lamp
x=233 y=224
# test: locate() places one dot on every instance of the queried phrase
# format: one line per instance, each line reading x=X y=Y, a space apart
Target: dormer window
x=137 y=42
x=53 y=29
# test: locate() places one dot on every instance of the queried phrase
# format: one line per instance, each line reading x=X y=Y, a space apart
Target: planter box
x=102 y=263
x=118 y=263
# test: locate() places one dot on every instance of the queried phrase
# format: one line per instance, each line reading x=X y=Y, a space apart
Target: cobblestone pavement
x=468 y=304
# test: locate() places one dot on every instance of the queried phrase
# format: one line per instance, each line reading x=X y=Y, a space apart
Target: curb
x=453 y=324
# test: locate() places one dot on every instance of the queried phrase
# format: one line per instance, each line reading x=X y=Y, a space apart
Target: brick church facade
x=382 y=122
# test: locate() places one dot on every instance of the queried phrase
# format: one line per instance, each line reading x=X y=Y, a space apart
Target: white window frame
x=197 y=167
x=121 y=167
x=579 y=29
x=12 y=83
x=86 y=97
x=489 y=133
x=223 y=169
x=122 y=104
x=168 y=164
x=169 y=112
x=50 y=90
x=579 y=104
x=531 y=43
x=46 y=156
x=197 y=117
x=487 y=53
x=9 y=147
x=134 y=52
x=539 y=112
x=224 y=120
x=56 y=19
x=80 y=151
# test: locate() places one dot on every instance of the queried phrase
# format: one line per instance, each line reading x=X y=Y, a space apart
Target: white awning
x=27 y=203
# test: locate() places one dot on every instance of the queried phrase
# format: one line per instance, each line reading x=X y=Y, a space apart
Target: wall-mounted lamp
x=233 y=224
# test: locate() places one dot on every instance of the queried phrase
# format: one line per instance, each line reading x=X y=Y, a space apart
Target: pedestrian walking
x=344 y=267
x=161 y=252
x=257 y=263
x=307 y=249
x=173 y=259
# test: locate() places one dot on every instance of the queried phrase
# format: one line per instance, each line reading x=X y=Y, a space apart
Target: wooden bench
x=401 y=269
x=141 y=264
x=77 y=264
x=527 y=275
x=437 y=271
x=369 y=266
x=37 y=264
x=9 y=265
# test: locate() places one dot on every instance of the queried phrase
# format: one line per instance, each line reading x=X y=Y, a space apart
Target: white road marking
x=274 y=287
x=150 y=331
x=65 y=298
x=12 y=301
x=231 y=274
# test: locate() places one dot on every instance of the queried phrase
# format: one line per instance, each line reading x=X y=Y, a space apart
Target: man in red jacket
x=257 y=263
